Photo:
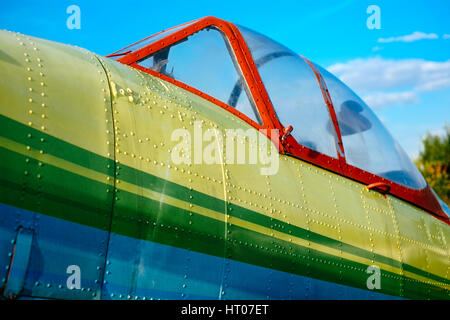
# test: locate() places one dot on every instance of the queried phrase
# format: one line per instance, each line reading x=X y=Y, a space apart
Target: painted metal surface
x=20 y=258
x=423 y=198
x=86 y=168
x=38 y=106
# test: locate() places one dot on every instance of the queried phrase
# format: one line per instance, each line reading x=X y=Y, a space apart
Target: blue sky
x=402 y=70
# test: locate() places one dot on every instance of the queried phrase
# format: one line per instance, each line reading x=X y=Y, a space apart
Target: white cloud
x=434 y=85
x=377 y=74
x=377 y=48
x=446 y=36
x=386 y=82
x=386 y=99
x=417 y=35
x=441 y=132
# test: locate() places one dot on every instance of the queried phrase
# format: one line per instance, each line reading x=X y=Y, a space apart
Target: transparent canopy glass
x=144 y=42
x=297 y=99
x=367 y=143
x=294 y=92
x=205 y=62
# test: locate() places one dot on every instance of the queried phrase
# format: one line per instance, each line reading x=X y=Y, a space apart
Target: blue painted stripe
x=164 y=272
x=142 y=269
x=56 y=244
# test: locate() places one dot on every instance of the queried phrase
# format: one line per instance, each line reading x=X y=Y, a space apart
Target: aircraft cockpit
x=270 y=86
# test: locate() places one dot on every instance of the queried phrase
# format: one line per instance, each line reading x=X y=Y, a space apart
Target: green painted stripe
x=152 y=182
x=162 y=223
x=142 y=218
x=29 y=136
x=20 y=133
x=56 y=192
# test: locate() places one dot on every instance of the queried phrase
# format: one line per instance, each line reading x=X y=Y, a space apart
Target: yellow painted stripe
x=55 y=161
x=157 y=196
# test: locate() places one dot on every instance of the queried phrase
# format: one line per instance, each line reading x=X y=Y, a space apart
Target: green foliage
x=434 y=163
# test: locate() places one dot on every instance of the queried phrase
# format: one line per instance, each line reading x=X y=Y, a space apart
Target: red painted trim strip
x=199 y=93
x=243 y=57
x=331 y=110
x=153 y=35
x=422 y=198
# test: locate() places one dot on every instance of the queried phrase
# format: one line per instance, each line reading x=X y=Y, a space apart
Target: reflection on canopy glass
x=206 y=62
x=294 y=92
x=298 y=101
x=367 y=143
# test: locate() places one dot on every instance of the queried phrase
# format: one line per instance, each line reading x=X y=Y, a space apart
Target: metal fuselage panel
x=56 y=123
x=88 y=171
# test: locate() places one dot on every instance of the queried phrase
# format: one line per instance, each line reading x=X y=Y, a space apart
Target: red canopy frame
x=423 y=198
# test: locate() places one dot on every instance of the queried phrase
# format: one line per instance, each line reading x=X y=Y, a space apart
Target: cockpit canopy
x=270 y=86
